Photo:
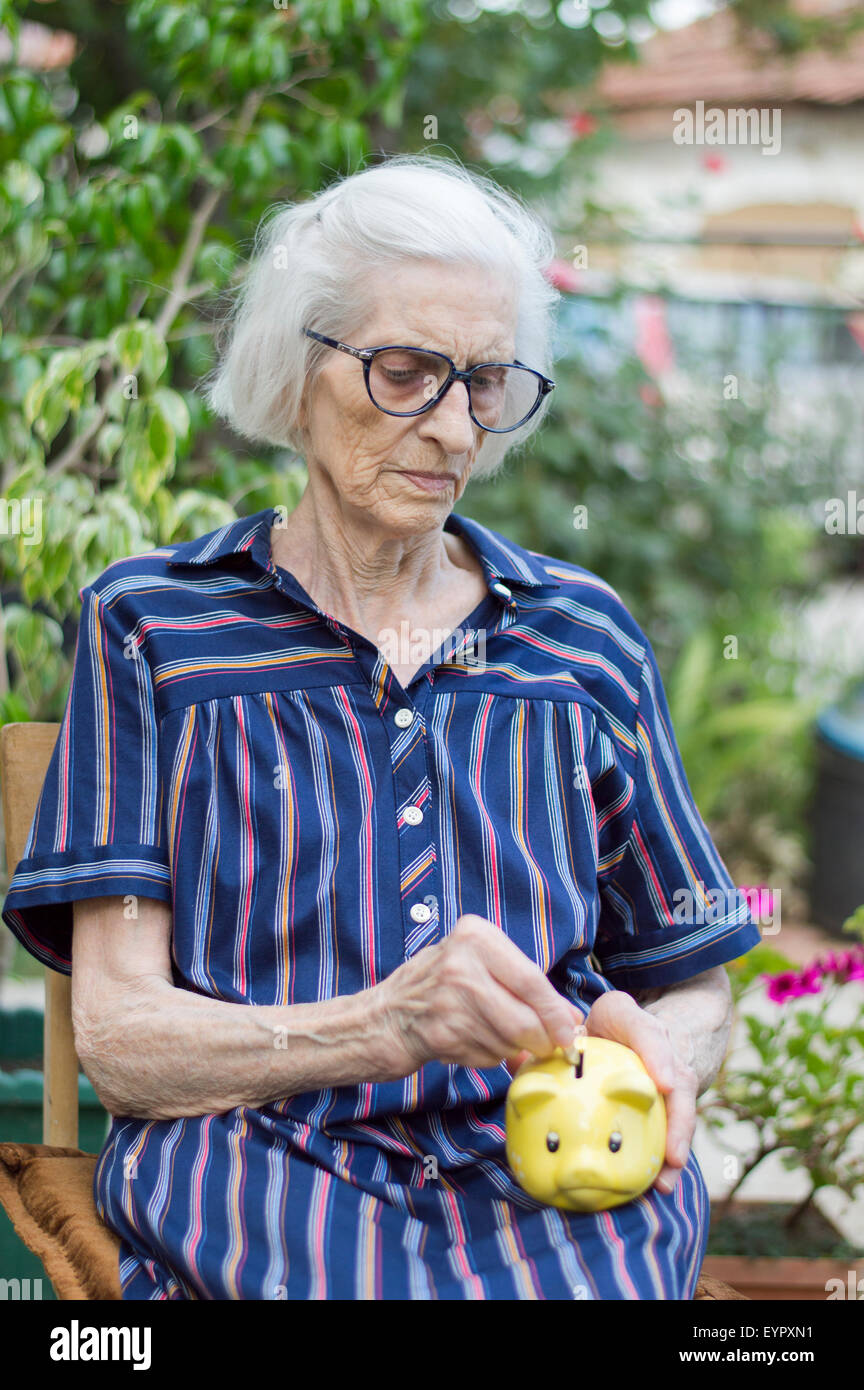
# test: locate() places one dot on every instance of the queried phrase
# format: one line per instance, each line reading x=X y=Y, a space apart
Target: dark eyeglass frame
x=367 y=356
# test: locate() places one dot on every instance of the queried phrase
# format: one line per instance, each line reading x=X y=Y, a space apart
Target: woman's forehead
x=441 y=328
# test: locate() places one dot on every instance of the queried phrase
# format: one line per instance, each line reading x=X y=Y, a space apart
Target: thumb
x=514 y=1063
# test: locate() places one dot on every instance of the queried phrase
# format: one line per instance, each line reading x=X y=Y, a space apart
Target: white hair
x=310 y=269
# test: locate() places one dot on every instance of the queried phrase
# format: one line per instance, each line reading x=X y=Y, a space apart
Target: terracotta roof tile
x=711 y=61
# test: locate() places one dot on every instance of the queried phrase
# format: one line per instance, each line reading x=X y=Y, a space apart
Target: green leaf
x=161 y=439
x=127 y=345
x=53 y=413
x=174 y=409
x=108 y=441
x=154 y=352
x=21 y=182
x=44 y=144
x=138 y=212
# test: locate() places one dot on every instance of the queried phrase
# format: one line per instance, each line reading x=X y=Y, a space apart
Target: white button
x=403 y=717
x=499 y=588
x=420 y=912
x=412 y=814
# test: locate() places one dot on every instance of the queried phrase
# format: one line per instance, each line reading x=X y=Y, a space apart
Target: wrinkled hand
x=666 y=1056
x=473 y=1000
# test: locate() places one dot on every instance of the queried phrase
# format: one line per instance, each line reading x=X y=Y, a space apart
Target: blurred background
x=702 y=166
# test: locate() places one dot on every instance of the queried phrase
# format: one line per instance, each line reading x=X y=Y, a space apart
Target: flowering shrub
x=803 y=1094
x=842 y=967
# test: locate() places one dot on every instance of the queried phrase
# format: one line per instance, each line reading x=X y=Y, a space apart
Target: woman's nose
x=450 y=421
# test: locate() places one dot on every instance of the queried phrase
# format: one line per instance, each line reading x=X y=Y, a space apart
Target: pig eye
x=615 y=1141
x=552 y=1141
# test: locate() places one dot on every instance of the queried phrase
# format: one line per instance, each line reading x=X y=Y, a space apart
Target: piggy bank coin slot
x=577 y=1070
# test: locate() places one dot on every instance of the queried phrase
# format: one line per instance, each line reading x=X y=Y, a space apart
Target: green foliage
x=747 y=969
x=855 y=923
x=122 y=205
x=130 y=189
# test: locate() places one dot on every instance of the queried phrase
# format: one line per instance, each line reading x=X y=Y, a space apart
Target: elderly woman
x=360 y=805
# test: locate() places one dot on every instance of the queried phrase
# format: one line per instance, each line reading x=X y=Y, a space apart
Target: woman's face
x=366 y=456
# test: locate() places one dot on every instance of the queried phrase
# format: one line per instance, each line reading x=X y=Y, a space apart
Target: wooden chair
x=47 y=1188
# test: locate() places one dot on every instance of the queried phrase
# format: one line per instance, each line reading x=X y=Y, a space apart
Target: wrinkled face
x=586 y=1136
x=367 y=456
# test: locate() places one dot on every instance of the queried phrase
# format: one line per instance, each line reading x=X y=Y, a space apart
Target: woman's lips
x=431 y=482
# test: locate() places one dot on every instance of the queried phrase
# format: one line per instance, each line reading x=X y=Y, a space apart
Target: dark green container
x=837 y=816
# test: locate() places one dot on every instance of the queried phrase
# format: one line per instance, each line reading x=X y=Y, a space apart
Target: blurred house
x=782 y=213
x=738 y=184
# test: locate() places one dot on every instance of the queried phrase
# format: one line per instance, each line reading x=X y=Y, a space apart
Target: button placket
x=418 y=859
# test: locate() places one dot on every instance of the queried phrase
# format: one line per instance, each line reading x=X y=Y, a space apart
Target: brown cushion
x=709 y=1287
x=48 y=1196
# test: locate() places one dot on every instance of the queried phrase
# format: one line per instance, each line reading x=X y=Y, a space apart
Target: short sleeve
x=98 y=826
x=669 y=908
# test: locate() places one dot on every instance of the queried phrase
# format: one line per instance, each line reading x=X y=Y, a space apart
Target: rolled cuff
x=659 y=958
x=38 y=905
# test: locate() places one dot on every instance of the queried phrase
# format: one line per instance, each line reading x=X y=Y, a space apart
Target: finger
x=514 y=1063
x=480 y=1024
x=649 y=1038
x=667 y=1179
x=680 y=1127
x=524 y=979
x=617 y=1016
x=507 y=1016
x=680 y=1121
x=547 y=1042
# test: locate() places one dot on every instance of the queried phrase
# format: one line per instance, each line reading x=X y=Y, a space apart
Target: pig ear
x=633 y=1087
x=528 y=1092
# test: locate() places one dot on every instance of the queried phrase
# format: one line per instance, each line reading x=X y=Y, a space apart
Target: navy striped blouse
x=231 y=749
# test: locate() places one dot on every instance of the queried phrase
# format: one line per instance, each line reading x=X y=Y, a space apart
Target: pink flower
x=582 y=123
x=810 y=980
x=792 y=984
x=783 y=987
x=830 y=964
x=650 y=395
x=851 y=965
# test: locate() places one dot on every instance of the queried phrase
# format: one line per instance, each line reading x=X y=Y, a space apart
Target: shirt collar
x=233 y=539
x=502 y=559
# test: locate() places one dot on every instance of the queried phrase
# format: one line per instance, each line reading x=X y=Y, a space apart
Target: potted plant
x=800 y=1093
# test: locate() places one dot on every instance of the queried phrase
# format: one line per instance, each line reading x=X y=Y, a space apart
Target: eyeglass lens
x=404 y=380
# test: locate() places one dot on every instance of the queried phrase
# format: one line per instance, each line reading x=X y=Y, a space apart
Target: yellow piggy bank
x=586 y=1128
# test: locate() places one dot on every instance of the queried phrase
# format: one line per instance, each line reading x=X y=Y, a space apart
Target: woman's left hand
x=666 y=1055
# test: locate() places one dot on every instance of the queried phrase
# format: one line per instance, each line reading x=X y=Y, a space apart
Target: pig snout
x=585 y=1168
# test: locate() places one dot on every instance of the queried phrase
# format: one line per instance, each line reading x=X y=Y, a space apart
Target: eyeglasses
x=409 y=381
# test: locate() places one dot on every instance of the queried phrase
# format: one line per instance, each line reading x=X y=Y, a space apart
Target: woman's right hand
x=472 y=1000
